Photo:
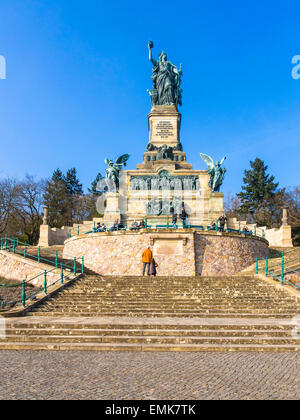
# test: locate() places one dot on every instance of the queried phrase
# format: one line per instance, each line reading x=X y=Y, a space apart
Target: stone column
x=286 y=230
x=45 y=230
x=45 y=218
x=284 y=217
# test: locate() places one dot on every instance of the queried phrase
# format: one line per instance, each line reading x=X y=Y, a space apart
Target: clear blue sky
x=77 y=74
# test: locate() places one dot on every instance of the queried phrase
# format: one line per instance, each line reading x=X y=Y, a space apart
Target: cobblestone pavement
x=109 y=375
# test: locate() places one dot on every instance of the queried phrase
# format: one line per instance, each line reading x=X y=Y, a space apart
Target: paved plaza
x=123 y=375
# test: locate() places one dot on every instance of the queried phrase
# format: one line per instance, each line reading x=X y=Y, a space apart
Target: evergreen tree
x=93 y=190
x=66 y=201
x=72 y=183
x=57 y=200
x=258 y=192
x=75 y=193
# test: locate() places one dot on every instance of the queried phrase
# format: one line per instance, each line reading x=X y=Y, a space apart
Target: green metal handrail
x=11 y=244
x=45 y=286
x=158 y=223
x=280 y=270
x=91 y=227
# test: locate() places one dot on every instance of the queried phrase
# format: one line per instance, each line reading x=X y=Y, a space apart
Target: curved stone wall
x=178 y=253
x=227 y=254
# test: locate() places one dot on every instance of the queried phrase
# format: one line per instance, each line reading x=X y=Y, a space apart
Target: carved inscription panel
x=164 y=130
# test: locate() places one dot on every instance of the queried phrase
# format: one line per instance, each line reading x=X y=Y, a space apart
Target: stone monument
x=157 y=189
x=164 y=181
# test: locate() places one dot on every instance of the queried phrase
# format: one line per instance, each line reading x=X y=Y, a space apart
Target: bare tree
x=9 y=191
x=27 y=210
x=232 y=205
x=293 y=204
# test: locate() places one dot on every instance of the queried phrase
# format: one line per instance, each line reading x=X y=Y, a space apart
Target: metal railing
x=45 y=286
x=167 y=223
x=289 y=264
x=81 y=229
x=25 y=250
x=14 y=246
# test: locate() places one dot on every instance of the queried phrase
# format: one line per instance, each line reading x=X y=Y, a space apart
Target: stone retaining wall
x=177 y=254
x=53 y=236
x=16 y=267
x=226 y=254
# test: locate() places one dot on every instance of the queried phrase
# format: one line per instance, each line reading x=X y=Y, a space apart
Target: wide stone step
x=183 y=296
x=169 y=314
x=125 y=339
x=174 y=280
x=172 y=302
x=148 y=347
x=161 y=314
x=145 y=324
x=257 y=285
x=149 y=332
x=172 y=289
x=166 y=308
x=179 y=297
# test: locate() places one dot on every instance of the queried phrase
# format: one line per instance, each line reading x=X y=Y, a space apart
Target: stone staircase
x=161 y=314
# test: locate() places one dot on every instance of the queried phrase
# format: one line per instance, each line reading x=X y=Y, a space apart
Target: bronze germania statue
x=166 y=79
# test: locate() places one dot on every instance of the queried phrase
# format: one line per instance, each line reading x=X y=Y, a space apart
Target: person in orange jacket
x=146 y=259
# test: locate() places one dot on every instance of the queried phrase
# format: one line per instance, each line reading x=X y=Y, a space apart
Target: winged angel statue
x=215 y=171
x=112 y=177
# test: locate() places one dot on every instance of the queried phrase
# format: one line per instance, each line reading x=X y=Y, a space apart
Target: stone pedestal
x=216 y=208
x=112 y=209
x=164 y=125
x=286 y=236
x=45 y=234
x=164 y=138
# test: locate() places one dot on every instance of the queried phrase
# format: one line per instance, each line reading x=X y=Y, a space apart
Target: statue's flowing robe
x=218 y=179
x=211 y=173
x=164 y=79
x=112 y=178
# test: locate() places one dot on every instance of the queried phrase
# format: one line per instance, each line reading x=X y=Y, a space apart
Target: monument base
x=216 y=206
x=177 y=252
x=164 y=125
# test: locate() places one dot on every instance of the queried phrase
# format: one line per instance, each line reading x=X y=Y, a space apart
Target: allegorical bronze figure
x=112 y=177
x=166 y=79
x=216 y=172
